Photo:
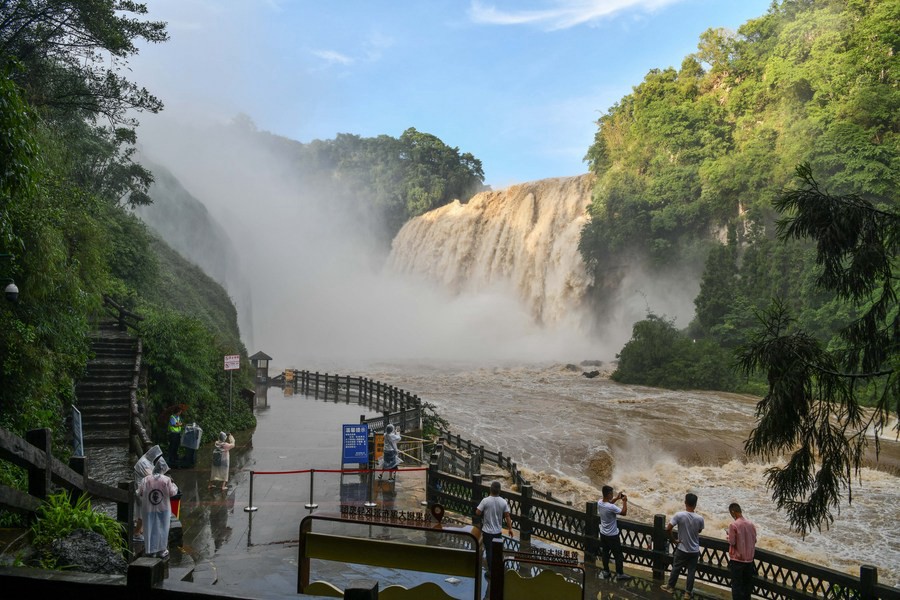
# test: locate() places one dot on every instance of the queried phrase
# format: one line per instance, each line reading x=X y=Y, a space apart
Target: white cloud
x=333 y=57
x=376 y=44
x=560 y=14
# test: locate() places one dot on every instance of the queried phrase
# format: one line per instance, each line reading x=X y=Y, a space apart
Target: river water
x=573 y=434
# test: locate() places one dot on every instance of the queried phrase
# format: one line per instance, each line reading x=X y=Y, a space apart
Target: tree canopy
x=67 y=235
x=695 y=161
x=812 y=408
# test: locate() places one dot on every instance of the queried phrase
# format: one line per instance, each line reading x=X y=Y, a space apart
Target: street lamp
x=11 y=291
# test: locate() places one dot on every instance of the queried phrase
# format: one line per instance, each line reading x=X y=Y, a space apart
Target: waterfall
x=523 y=238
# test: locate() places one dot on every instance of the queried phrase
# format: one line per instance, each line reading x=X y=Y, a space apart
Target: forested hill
x=383 y=180
x=711 y=143
x=689 y=163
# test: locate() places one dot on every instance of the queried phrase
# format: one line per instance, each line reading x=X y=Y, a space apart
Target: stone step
x=104 y=384
x=119 y=437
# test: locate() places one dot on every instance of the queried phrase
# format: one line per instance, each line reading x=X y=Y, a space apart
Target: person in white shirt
x=609 y=530
x=493 y=510
x=687 y=551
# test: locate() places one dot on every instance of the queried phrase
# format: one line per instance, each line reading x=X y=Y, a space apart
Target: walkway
x=255 y=553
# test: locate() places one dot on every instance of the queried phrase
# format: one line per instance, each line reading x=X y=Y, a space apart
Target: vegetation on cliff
x=382 y=180
x=67 y=187
x=705 y=156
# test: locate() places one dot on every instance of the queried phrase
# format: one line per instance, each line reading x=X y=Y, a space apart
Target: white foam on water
x=663 y=443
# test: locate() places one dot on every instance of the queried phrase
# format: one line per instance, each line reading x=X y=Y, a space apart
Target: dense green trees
x=67 y=181
x=383 y=180
x=812 y=409
x=704 y=153
x=693 y=150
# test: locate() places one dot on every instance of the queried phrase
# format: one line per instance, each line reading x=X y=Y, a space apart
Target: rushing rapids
x=571 y=435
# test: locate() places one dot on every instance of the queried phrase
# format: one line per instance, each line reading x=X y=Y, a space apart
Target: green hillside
x=690 y=162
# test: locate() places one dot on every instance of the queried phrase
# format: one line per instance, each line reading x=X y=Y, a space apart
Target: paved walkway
x=255 y=553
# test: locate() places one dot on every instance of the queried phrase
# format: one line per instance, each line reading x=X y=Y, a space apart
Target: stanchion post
x=250 y=507
x=312 y=478
x=368 y=501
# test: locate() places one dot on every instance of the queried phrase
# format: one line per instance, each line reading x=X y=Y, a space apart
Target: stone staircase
x=105 y=392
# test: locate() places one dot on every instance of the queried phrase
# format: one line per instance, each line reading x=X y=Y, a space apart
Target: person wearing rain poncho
x=221 y=459
x=391 y=458
x=156 y=491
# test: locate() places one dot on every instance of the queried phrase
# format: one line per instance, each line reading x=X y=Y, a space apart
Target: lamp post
x=10 y=290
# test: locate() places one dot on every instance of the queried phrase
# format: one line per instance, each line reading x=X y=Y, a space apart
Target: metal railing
x=648 y=545
x=402 y=409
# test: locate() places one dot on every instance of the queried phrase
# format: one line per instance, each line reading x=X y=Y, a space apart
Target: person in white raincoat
x=391 y=458
x=156 y=491
x=221 y=460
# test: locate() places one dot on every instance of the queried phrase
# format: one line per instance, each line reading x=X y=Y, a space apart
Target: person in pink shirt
x=741 y=548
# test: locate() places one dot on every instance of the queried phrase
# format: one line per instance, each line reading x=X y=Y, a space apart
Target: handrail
x=779 y=577
x=538 y=513
x=33 y=453
x=122 y=314
x=397 y=406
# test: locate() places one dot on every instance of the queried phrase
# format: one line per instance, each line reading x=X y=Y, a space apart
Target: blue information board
x=356 y=443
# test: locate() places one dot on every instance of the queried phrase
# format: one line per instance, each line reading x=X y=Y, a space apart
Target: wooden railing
x=648 y=545
x=47 y=474
x=123 y=316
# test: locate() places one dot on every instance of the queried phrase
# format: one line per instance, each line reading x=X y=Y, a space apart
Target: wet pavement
x=248 y=545
x=226 y=545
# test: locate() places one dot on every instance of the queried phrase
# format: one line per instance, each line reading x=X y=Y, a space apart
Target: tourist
x=391 y=458
x=142 y=468
x=609 y=530
x=156 y=491
x=221 y=460
x=493 y=510
x=741 y=548
x=687 y=551
x=175 y=428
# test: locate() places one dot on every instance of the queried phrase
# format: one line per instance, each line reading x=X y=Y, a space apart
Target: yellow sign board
x=379 y=445
x=289 y=375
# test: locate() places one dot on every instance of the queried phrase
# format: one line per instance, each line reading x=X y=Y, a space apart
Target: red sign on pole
x=232 y=362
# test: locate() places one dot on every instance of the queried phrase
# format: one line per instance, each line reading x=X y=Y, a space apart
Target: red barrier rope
x=339 y=471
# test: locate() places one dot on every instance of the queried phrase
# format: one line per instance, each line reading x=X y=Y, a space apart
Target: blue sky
x=519 y=84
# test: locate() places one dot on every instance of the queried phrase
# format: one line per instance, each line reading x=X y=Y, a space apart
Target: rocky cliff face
x=524 y=237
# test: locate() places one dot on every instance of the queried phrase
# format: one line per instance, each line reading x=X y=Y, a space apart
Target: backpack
x=218 y=457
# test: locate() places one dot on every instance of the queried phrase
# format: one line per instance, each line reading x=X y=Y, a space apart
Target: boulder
x=591 y=374
x=88 y=552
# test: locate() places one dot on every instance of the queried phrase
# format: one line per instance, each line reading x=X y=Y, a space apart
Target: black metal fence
x=646 y=545
x=402 y=409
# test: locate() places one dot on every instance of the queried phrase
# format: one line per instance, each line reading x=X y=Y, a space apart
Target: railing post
x=496 y=569
x=868 y=579
x=591 y=532
x=39 y=479
x=526 y=525
x=79 y=465
x=125 y=512
x=326 y=387
x=660 y=547
x=430 y=476
x=477 y=494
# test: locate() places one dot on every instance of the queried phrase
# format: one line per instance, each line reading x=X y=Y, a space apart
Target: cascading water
x=572 y=434
x=520 y=238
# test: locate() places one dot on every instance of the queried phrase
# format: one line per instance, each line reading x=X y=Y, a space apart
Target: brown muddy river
x=574 y=434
